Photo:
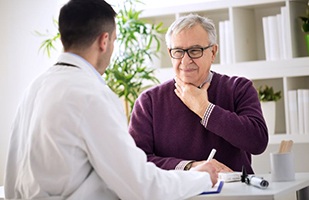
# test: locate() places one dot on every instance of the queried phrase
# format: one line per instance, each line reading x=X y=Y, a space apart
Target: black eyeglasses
x=195 y=52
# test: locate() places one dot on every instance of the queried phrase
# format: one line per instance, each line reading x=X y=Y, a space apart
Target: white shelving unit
x=248 y=48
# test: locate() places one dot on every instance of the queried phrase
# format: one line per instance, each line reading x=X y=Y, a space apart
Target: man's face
x=106 y=56
x=110 y=48
x=194 y=71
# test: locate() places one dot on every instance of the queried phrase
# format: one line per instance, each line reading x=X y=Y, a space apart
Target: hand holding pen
x=212 y=166
x=209 y=168
x=220 y=167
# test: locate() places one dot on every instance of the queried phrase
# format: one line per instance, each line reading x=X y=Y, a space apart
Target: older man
x=178 y=122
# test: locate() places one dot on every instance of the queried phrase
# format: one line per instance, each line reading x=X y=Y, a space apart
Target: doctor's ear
x=103 y=41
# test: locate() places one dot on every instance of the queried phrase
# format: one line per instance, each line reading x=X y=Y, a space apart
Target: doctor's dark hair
x=82 y=21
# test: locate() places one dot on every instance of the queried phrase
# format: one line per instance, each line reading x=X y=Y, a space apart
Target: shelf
x=247 y=48
x=277 y=138
x=201 y=6
x=253 y=70
x=266 y=69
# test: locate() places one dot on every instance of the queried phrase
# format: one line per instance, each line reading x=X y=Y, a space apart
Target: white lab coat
x=70 y=141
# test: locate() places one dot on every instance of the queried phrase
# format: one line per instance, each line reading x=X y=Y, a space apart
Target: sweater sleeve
x=142 y=130
x=244 y=127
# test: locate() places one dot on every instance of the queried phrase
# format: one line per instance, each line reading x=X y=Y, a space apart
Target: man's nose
x=186 y=59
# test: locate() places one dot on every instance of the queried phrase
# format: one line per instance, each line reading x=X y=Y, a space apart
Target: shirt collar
x=82 y=63
x=208 y=79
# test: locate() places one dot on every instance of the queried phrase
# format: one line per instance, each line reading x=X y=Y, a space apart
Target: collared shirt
x=208 y=79
x=70 y=141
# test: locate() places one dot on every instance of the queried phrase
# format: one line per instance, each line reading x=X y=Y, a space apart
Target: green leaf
x=267 y=93
x=305 y=27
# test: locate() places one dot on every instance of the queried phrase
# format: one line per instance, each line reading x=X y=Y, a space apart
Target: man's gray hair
x=187 y=22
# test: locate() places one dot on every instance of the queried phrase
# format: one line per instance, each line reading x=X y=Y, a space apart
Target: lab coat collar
x=80 y=62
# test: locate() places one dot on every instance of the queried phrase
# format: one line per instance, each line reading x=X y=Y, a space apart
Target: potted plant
x=268 y=99
x=305 y=26
x=138 y=42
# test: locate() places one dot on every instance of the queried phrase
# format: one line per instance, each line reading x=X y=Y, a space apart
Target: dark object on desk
x=215 y=189
x=258 y=182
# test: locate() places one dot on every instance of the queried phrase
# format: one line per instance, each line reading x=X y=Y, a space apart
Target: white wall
x=20 y=61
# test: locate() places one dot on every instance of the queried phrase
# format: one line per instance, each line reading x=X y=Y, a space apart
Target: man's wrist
x=188 y=166
x=182 y=165
x=207 y=113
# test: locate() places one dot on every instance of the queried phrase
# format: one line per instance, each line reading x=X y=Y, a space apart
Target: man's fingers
x=179 y=88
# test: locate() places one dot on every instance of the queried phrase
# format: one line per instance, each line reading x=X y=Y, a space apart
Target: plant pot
x=269 y=113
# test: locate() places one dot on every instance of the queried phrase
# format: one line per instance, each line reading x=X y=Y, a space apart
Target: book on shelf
x=298 y=105
x=266 y=37
x=228 y=40
x=272 y=23
x=222 y=42
x=286 y=52
x=225 y=42
x=306 y=111
x=275 y=37
x=300 y=100
x=293 y=111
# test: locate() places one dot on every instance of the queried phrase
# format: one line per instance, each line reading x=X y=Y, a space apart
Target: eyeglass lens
x=192 y=53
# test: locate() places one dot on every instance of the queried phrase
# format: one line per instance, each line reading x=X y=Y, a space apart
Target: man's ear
x=214 y=50
x=103 y=41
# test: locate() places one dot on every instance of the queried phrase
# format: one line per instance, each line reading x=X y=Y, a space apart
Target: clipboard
x=216 y=189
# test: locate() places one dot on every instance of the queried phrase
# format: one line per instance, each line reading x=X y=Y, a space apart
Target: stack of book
x=225 y=42
x=275 y=36
x=298 y=105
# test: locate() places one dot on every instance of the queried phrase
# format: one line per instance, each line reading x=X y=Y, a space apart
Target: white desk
x=275 y=190
x=241 y=191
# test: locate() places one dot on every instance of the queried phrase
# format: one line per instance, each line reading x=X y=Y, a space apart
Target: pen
x=211 y=155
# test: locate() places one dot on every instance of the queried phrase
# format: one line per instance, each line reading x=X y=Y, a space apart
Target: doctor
x=69 y=138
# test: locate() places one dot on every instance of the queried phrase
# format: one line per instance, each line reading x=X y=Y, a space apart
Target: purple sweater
x=169 y=132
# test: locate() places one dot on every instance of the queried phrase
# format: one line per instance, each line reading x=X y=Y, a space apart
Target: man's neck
x=208 y=79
